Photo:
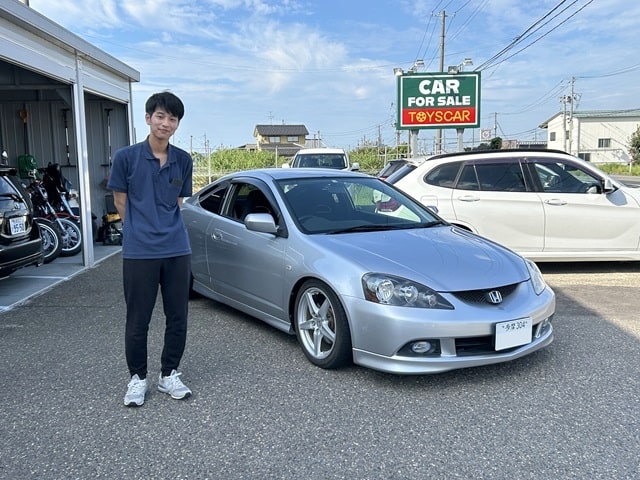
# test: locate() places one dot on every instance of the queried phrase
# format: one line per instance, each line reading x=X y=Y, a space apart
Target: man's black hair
x=167 y=101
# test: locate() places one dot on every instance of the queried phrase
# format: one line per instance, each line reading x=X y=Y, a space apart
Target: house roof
x=634 y=112
x=277 y=130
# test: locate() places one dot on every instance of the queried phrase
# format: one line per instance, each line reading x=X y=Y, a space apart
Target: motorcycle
x=61 y=215
x=51 y=239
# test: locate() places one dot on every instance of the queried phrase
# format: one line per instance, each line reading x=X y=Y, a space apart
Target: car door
x=246 y=266
x=197 y=216
x=495 y=199
x=578 y=215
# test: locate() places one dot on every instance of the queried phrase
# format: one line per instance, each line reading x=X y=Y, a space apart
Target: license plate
x=513 y=333
x=16 y=226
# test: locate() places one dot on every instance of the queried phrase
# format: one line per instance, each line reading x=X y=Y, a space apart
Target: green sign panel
x=438 y=100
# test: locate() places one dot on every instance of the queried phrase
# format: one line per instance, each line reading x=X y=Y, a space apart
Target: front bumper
x=465 y=336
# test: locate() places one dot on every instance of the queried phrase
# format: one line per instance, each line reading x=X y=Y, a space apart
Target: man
x=149 y=181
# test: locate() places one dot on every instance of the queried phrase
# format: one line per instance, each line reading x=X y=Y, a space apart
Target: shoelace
x=137 y=386
x=173 y=380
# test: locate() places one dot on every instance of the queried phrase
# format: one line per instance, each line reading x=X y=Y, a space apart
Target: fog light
x=543 y=327
x=421 y=347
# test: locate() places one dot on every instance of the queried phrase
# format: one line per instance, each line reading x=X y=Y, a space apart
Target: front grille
x=481 y=296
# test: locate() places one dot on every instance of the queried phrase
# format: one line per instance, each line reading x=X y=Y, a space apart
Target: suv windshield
x=320 y=160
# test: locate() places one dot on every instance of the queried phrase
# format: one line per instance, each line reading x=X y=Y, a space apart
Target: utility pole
x=571 y=98
x=442 y=34
x=567 y=119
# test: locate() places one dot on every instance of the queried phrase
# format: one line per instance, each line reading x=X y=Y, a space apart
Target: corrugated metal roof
x=32 y=21
x=277 y=130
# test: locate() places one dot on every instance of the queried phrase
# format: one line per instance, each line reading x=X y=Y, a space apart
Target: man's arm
x=120 y=200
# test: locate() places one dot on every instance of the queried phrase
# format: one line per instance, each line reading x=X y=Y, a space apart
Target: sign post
x=438 y=100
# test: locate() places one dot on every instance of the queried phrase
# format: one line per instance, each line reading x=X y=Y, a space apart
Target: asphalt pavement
x=260 y=410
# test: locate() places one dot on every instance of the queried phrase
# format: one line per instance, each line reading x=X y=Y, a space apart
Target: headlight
x=391 y=290
x=536 y=277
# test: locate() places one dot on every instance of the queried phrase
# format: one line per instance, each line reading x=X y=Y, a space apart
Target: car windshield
x=321 y=160
x=351 y=204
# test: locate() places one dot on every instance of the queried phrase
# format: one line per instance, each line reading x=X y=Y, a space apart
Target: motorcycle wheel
x=51 y=239
x=71 y=237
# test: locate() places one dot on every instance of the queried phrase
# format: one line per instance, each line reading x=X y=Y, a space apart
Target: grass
x=619 y=169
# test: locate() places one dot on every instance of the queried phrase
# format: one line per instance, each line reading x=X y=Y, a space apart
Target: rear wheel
x=51 y=239
x=321 y=326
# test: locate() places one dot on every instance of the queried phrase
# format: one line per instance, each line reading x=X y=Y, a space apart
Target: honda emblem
x=494 y=296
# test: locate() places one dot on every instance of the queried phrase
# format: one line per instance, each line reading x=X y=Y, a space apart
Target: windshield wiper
x=430 y=224
x=364 y=228
x=380 y=228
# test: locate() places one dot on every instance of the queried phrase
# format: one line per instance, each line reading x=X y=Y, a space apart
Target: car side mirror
x=355 y=166
x=261 y=222
x=607 y=185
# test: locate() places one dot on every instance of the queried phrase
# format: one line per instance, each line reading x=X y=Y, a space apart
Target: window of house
x=604 y=143
x=274 y=139
x=292 y=139
x=552 y=136
x=585 y=156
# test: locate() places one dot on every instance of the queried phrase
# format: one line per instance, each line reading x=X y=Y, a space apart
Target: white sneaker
x=172 y=385
x=136 y=390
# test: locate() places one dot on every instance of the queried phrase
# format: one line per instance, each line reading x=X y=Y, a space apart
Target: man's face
x=163 y=124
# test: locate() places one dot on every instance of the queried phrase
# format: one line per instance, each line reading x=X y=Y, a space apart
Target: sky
x=328 y=64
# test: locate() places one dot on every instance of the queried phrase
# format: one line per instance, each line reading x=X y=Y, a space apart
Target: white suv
x=335 y=158
x=546 y=205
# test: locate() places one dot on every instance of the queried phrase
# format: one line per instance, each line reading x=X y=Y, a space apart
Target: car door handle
x=468 y=198
x=216 y=236
x=555 y=201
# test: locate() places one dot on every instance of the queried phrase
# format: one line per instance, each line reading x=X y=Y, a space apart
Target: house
x=601 y=136
x=283 y=139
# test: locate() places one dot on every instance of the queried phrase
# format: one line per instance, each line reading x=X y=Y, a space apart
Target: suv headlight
x=537 y=281
x=397 y=291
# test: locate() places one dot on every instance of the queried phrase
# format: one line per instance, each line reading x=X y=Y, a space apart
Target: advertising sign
x=438 y=100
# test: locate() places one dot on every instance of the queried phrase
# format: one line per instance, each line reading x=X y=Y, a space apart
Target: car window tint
x=213 y=200
x=560 y=177
x=246 y=199
x=468 y=179
x=501 y=177
x=443 y=176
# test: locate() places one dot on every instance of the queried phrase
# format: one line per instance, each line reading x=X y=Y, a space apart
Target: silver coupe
x=362 y=273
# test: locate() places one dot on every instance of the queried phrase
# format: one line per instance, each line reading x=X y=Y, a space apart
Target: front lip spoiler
x=417 y=366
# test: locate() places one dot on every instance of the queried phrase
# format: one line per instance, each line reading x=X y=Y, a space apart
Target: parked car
x=546 y=205
x=20 y=242
x=335 y=158
x=396 y=164
x=361 y=272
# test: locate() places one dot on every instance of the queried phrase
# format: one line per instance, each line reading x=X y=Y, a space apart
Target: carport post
x=83 y=166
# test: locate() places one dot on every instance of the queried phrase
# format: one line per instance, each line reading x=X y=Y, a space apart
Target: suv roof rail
x=504 y=150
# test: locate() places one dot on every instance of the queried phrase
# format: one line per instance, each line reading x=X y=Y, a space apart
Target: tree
x=634 y=146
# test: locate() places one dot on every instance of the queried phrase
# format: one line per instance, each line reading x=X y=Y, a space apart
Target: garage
x=63 y=101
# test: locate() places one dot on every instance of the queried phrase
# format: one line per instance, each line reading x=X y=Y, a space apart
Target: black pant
x=141 y=279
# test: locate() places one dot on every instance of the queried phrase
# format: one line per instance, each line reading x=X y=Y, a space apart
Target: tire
x=321 y=326
x=71 y=237
x=51 y=239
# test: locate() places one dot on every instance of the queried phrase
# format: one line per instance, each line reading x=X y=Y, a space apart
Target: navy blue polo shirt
x=153 y=226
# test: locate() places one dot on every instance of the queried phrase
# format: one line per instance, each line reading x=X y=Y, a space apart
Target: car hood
x=444 y=258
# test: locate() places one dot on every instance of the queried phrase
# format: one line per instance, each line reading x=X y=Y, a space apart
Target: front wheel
x=321 y=326
x=51 y=239
x=71 y=236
